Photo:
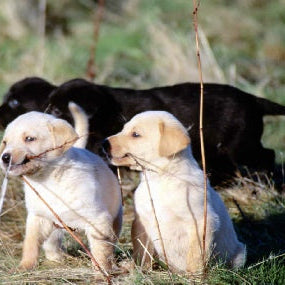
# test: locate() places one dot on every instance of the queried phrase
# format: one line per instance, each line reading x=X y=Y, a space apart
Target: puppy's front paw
x=55 y=256
x=105 y=266
x=27 y=265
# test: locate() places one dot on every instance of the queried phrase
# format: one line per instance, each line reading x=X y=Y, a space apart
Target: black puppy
x=29 y=94
x=233 y=119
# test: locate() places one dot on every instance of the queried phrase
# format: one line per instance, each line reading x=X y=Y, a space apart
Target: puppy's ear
x=172 y=140
x=63 y=135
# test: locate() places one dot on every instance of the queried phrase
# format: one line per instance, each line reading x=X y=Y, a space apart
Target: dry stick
x=195 y=16
x=96 y=264
x=156 y=221
x=91 y=64
x=120 y=183
x=42 y=34
x=152 y=205
x=54 y=148
x=155 y=216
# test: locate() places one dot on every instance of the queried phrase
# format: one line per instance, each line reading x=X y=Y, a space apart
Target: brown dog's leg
x=143 y=247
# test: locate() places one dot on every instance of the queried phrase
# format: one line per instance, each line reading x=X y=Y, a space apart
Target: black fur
x=29 y=94
x=233 y=119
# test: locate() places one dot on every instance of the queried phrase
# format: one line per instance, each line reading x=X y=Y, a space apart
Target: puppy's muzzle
x=7 y=159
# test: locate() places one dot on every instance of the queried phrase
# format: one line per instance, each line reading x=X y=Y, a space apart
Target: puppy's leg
x=195 y=262
x=118 y=221
x=143 y=247
x=101 y=239
x=37 y=231
x=52 y=246
x=239 y=257
x=32 y=242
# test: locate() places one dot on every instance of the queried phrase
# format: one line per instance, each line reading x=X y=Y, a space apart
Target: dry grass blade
x=91 y=65
x=157 y=224
x=42 y=35
x=156 y=220
x=195 y=18
x=268 y=259
x=4 y=188
x=53 y=148
x=120 y=183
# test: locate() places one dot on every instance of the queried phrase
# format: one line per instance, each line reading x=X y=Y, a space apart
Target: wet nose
x=6 y=157
x=106 y=146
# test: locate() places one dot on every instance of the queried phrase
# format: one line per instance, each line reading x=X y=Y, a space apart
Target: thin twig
x=146 y=251
x=236 y=274
x=155 y=168
x=244 y=216
x=195 y=17
x=155 y=217
x=42 y=35
x=157 y=224
x=53 y=148
x=75 y=237
x=91 y=64
x=268 y=259
x=120 y=183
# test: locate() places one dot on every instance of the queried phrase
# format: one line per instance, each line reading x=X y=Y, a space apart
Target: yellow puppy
x=156 y=142
x=76 y=183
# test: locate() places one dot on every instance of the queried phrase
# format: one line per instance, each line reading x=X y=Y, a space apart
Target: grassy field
x=144 y=44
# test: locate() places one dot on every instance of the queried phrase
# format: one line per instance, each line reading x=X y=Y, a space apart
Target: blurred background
x=147 y=43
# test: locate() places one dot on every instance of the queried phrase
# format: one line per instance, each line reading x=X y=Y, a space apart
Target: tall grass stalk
x=195 y=20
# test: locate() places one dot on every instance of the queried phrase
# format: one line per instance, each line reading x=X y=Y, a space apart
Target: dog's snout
x=106 y=146
x=6 y=157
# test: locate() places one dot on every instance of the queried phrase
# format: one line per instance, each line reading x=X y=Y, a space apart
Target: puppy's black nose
x=106 y=146
x=6 y=157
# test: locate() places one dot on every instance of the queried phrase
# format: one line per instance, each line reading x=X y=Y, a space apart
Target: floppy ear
x=172 y=139
x=63 y=135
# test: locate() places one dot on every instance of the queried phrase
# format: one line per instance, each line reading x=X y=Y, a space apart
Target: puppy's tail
x=81 y=124
x=270 y=108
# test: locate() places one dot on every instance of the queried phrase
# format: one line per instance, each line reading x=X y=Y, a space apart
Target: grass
x=259 y=220
x=146 y=44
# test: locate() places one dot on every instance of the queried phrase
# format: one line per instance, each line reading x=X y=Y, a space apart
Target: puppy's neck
x=165 y=165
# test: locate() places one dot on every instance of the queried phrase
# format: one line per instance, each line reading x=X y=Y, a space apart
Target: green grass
x=141 y=47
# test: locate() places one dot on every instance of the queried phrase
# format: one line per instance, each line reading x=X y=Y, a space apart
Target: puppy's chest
x=61 y=198
x=169 y=204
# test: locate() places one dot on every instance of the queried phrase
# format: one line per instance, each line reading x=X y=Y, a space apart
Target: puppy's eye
x=56 y=112
x=135 y=135
x=13 y=103
x=30 y=139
